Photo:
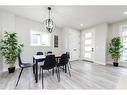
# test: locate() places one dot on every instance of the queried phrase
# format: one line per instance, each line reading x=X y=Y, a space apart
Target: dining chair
x=22 y=66
x=63 y=62
x=49 y=64
x=40 y=53
x=68 y=54
x=49 y=52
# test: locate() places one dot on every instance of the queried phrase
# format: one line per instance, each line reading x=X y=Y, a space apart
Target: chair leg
x=58 y=74
x=63 y=68
x=19 y=77
x=53 y=71
x=70 y=64
x=69 y=71
x=42 y=80
x=40 y=73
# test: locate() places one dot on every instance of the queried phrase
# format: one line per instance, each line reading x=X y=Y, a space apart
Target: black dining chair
x=40 y=53
x=49 y=64
x=63 y=63
x=49 y=52
x=22 y=66
x=40 y=60
x=68 y=54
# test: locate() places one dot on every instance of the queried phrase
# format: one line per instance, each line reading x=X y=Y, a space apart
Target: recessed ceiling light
x=81 y=24
x=125 y=13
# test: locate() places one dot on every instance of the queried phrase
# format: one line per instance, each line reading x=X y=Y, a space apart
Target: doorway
x=89 y=37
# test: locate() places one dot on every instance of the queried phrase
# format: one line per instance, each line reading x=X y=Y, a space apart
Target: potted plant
x=10 y=49
x=115 y=49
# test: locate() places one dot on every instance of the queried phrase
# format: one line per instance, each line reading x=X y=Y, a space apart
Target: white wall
x=71 y=43
x=65 y=42
x=114 y=30
x=22 y=26
x=100 y=43
x=7 y=24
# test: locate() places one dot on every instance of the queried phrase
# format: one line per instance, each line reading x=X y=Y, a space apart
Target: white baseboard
x=87 y=60
x=98 y=62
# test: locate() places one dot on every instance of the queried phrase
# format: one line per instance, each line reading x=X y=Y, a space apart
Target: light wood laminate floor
x=84 y=75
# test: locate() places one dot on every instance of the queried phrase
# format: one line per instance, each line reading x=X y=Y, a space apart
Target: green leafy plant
x=115 y=48
x=10 y=48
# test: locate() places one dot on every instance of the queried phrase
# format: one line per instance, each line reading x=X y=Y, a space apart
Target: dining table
x=36 y=58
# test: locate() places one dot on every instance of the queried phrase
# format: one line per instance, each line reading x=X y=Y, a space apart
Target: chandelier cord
x=49 y=8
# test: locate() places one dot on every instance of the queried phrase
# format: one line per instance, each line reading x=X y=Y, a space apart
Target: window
x=40 y=39
x=35 y=38
x=88 y=35
x=88 y=42
x=124 y=41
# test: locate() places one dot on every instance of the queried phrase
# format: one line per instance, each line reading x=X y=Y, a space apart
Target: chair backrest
x=39 y=53
x=49 y=62
x=68 y=54
x=64 y=60
x=19 y=61
x=49 y=52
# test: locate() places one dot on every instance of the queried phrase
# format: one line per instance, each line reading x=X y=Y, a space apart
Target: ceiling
x=71 y=16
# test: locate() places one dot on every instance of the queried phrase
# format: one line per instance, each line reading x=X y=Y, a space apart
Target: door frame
x=93 y=44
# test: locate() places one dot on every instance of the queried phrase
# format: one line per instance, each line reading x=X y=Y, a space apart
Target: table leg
x=36 y=77
x=33 y=60
x=33 y=66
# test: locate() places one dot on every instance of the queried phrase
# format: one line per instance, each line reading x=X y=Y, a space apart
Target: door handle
x=74 y=49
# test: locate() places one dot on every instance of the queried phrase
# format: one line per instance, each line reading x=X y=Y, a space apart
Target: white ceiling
x=71 y=16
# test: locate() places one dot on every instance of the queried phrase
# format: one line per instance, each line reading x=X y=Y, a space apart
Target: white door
x=74 y=45
x=89 y=44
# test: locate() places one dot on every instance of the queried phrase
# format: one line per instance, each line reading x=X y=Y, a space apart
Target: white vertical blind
x=40 y=39
x=124 y=41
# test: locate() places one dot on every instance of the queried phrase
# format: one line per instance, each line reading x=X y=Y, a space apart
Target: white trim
x=98 y=62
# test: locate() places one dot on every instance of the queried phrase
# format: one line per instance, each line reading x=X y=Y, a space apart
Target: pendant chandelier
x=48 y=23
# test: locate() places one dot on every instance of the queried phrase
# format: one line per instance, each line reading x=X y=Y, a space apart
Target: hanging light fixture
x=48 y=23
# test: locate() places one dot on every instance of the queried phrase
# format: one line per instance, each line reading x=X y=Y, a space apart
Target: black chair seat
x=26 y=65
x=59 y=64
x=45 y=68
